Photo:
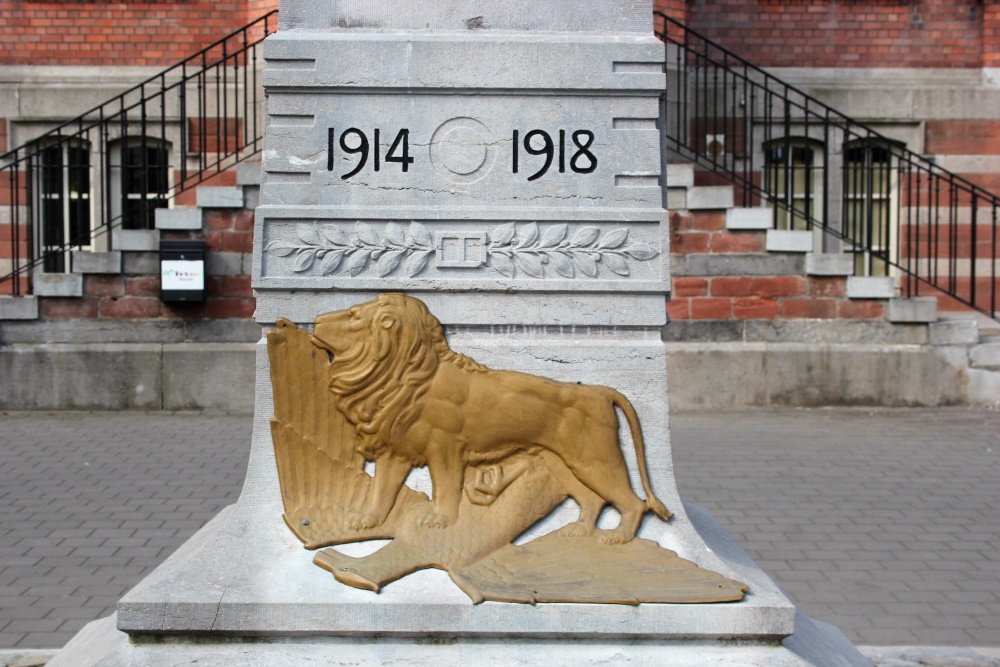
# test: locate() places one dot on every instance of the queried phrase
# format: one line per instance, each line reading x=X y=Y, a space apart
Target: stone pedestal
x=501 y=161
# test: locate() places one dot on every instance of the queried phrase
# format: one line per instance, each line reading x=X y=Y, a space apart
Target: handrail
x=897 y=212
x=207 y=107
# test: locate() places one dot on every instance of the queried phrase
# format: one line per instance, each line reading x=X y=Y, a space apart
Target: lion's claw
x=576 y=529
x=434 y=520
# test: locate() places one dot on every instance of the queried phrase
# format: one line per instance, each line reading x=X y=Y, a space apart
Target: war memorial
x=461 y=447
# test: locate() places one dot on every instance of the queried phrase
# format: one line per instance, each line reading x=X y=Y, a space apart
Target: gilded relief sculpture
x=378 y=382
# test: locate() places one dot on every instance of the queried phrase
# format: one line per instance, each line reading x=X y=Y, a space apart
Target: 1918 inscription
x=537 y=142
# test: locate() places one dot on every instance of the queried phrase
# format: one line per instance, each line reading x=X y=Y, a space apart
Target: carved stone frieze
x=512 y=250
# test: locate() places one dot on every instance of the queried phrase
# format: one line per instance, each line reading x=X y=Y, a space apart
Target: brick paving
x=884 y=522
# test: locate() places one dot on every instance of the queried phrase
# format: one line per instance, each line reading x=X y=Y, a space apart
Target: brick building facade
x=925 y=74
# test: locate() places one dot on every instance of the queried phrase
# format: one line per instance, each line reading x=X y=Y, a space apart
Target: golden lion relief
x=378 y=382
x=414 y=402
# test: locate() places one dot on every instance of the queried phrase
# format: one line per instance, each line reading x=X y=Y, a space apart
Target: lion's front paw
x=434 y=520
x=361 y=521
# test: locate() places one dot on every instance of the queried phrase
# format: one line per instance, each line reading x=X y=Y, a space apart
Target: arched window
x=793 y=179
x=62 y=191
x=139 y=170
x=871 y=190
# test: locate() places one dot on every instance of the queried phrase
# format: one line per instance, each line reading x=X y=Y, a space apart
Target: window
x=793 y=177
x=870 y=190
x=62 y=186
x=140 y=175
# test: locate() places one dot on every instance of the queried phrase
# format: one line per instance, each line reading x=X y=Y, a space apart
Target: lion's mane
x=380 y=380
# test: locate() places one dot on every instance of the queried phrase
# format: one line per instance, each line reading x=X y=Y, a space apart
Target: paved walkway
x=886 y=523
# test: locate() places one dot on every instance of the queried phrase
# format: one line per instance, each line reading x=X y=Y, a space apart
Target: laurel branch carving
x=509 y=249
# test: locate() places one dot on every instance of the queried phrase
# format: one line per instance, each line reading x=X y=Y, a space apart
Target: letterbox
x=182 y=271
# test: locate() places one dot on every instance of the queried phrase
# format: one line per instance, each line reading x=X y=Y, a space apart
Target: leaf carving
x=331 y=261
x=530 y=235
x=613 y=239
x=616 y=263
x=336 y=236
x=585 y=236
x=501 y=262
x=528 y=263
x=561 y=264
x=366 y=234
x=641 y=251
x=417 y=261
x=280 y=249
x=503 y=234
x=388 y=262
x=553 y=235
x=308 y=234
x=394 y=235
x=420 y=235
x=358 y=261
x=586 y=263
x=304 y=261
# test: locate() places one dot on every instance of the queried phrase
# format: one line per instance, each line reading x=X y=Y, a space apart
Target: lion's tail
x=652 y=502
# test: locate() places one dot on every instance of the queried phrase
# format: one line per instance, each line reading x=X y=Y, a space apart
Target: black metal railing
x=113 y=166
x=897 y=212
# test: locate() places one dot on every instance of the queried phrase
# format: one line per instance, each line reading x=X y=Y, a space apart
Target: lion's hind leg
x=589 y=502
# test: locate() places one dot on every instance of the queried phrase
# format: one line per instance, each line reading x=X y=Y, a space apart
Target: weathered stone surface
x=139 y=240
x=219 y=196
x=986 y=355
x=208 y=376
x=58 y=284
x=737 y=265
x=18 y=308
x=710 y=197
x=80 y=376
x=829 y=264
x=912 y=309
x=178 y=218
x=871 y=287
x=85 y=261
x=749 y=218
x=954 y=331
x=787 y=240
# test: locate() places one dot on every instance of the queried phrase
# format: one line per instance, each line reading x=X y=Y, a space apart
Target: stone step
x=179 y=218
x=58 y=284
x=711 y=197
x=18 y=308
x=741 y=219
x=786 y=240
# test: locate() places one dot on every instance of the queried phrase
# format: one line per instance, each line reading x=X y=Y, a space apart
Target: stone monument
x=490 y=170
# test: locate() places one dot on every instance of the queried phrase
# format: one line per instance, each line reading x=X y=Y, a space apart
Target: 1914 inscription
x=577 y=156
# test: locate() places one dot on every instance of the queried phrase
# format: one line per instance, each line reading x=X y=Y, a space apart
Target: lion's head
x=384 y=354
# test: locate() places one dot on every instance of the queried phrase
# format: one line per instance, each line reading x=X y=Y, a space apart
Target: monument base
x=101 y=644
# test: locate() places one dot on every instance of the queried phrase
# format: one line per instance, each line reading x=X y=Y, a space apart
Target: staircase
x=857 y=203
x=90 y=195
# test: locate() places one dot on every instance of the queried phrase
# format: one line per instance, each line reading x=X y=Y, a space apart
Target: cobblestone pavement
x=884 y=522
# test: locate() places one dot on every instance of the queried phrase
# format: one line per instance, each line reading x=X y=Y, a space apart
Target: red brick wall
x=138 y=296
x=675 y=9
x=851 y=33
x=117 y=33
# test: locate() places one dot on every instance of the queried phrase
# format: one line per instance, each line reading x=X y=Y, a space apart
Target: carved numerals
x=529 y=249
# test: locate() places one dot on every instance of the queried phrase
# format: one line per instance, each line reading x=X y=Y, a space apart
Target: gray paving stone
x=852 y=511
